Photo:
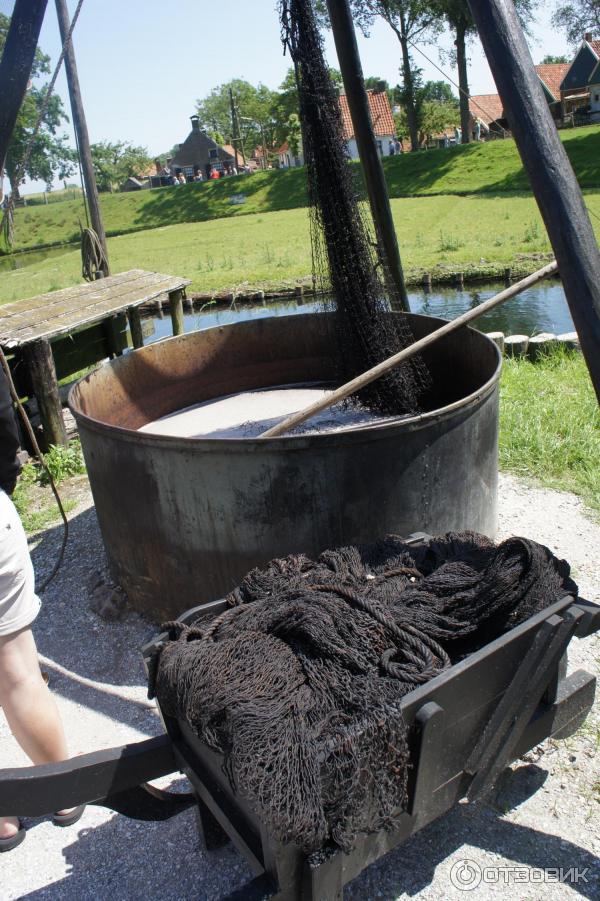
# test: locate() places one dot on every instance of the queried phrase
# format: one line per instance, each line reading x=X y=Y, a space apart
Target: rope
x=44 y=108
x=93 y=257
x=40 y=458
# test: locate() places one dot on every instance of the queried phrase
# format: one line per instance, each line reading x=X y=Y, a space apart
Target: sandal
x=7 y=844
x=68 y=819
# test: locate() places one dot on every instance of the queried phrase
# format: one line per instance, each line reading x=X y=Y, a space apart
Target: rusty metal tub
x=183 y=519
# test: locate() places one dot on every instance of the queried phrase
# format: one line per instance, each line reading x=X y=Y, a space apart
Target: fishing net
x=346 y=261
x=298 y=684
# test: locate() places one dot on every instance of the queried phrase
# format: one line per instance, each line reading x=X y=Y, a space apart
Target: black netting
x=346 y=261
x=298 y=684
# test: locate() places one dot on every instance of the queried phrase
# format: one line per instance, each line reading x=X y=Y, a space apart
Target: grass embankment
x=549 y=433
x=479 y=236
x=472 y=169
x=550 y=425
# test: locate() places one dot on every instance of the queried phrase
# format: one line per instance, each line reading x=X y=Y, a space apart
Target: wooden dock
x=54 y=335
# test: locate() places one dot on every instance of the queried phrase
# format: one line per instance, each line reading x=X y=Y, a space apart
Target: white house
x=382 y=119
x=594 y=86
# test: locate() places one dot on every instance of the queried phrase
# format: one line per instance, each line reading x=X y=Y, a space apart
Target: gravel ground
x=543 y=816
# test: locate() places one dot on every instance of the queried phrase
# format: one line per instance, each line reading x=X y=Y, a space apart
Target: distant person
x=181 y=179
x=391 y=148
x=445 y=142
x=457 y=134
x=214 y=174
x=198 y=175
x=397 y=146
x=477 y=131
x=234 y=170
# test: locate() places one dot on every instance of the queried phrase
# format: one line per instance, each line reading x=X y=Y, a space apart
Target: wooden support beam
x=111 y=329
x=16 y=63
x=40 y=363
x=346 y=47
x=80 y=126
x=552 y=178
x=135 y=324
x=176 y=307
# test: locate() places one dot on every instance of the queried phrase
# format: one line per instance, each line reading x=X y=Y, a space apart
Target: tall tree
x=410 y=20
x=254 y=106
x=50 y=154
x=114 y=162
x=550 y=59
x=578 y=18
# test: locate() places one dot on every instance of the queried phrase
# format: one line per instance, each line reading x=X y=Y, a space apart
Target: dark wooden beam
x=80 y=126
x=16 y=64
x=552 y=178
x=358 y=103
x=42 y=372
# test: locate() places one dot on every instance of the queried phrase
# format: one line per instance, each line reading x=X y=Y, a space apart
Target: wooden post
x=552 y=178
x=42 y=372
x=111 y=333
x=358 y=102
x=16 y=63
x=135 y=325
x=80 y=125
x=176 y=307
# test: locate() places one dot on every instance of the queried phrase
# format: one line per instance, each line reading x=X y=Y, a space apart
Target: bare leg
x=29 y=707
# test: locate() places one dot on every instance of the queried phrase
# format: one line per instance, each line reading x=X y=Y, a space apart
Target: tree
x=254 y=107
x=50 y=154
x=114 y=162
x=436 y=109
x=578 y=18
x=550 y=60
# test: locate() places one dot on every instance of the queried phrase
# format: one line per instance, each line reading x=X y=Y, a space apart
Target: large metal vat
x=184 y=519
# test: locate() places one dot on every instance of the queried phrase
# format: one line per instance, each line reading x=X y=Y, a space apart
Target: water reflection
x=13 y=261
x=542 y=308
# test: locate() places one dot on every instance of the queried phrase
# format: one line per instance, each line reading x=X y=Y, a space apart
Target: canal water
x=542 y=308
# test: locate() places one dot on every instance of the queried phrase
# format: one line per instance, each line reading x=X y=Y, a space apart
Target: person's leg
x=29 y=707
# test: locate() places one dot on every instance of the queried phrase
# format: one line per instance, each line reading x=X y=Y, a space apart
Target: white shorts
x=19 y=604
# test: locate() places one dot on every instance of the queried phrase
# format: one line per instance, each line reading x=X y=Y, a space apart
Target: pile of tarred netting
x=298 y=684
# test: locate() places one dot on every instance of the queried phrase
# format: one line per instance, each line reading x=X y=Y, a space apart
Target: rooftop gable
x=381 y=115
x=552 y=76
x=581 y=68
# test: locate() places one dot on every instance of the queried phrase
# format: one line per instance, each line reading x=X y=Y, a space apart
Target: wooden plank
x=42 y=300
x=145 y=284
x=69 y=320
x=45 y=386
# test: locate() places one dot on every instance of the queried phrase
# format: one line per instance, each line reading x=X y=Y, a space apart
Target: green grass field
x=477 y=235
x=493 y=168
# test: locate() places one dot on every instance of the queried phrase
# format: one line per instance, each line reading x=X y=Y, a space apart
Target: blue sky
x=142 y=66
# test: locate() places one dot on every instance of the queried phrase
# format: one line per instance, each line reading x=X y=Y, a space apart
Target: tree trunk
x=14 y=184
x=463 y=83
x=409 y=93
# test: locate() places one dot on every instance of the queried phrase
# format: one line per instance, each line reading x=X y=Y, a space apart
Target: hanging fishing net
x=298 y=684
x=346 y=260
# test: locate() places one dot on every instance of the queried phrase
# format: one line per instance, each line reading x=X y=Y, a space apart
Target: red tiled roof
x=487 y=107
x=553 y=75
x=381 y=115
x=228 y=148
x=284 y=148
x=595 y=45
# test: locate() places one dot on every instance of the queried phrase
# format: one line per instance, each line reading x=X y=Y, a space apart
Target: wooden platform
x=73 y=328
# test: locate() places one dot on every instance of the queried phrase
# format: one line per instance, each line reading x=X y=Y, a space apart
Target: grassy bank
x=550 y=425
x=493 y=168
x=477 y=235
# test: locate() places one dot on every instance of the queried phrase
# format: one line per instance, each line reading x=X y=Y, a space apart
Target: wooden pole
x=42 y=372
x=135 y=324
x=176 y=307
x=547 y=165
x=16 y=65
x=358 y=102
x=83 y=140
x=377 y=371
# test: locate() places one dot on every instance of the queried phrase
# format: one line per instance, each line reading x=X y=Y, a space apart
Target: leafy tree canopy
x=577 y=18
x=550 y=60
x=50 y=154
x=114 y=162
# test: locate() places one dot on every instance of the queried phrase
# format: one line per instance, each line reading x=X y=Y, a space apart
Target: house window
x=214 y=154
x=189 y=171
x=597 y=98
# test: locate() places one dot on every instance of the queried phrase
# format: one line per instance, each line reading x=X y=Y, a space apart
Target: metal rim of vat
x=360 y=433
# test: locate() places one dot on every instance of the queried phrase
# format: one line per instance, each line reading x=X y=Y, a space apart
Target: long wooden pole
x=552 y=178
x=16 y=65
x=346 y=47
x=377 y=371
x=83 y=140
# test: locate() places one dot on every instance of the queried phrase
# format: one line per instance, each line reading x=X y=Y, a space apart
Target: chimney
x=588 y=36
x=195 y=120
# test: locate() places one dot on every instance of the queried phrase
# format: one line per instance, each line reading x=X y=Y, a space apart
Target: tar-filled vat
x=183 y=519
